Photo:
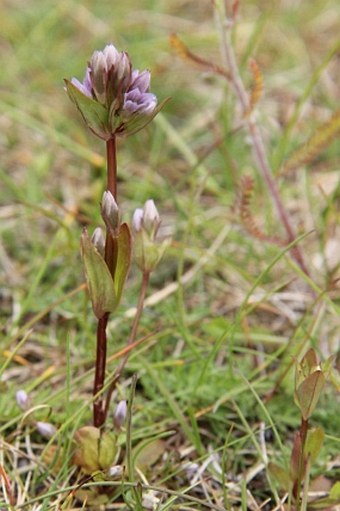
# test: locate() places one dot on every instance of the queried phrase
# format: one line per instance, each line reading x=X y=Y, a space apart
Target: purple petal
x=111 y=55
x=81 y=87
x=137 y=101
x=87 y=80
x=140 y=81
x=137 y=220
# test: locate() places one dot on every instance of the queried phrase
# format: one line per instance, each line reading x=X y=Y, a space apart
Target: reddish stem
x=111 y=166
x=119 y=370
x=99 y=413
x=99 y=378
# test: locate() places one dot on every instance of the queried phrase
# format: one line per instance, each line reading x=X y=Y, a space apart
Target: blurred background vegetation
x=190 y=162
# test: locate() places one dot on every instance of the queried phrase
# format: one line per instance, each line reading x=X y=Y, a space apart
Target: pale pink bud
x=110 y=210
x=98 y=240
x=151 y=218
x=116 y=471
x=23 y=400
x=120 y=414
x=137 y=220
x=46 y=429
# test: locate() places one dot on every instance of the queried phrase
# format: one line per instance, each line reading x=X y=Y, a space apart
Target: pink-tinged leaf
x=295 y=459
x=299 y=375
x=98 y=277
x=123 y=260
x=309 y=362
x=307 y=365
x=314 y=442
x=94 y=113
x=308 y=393
x=281 y=476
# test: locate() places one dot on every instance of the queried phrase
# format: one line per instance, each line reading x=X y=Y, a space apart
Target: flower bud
x=151 y=218
x=23 y=400
x=98 y=240
x=137 y=220
x=110 y=211
x=145 y=222
x=113 y=99
x=120 y=414
x=46 y=429
x=115 y=472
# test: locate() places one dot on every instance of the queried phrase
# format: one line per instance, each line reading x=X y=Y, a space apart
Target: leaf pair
x=105 y=286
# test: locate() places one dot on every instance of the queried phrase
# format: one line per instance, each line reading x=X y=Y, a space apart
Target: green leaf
x=281 y=476
x=148 y=452
x=308 y=392
x=307 y=365
x=327 y=366
x=98 y=277
x=139 y=121
x=86 y=451
x=314 y=442
x=335 y=491
x=123 y=260
x=94 y=113
x=328 y=502
x=107 y=450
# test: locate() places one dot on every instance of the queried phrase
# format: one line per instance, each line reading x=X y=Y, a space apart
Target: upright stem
x=297 y=486
x=111 y=166
x=119 y=370
x=98 y=415
x=110 y=257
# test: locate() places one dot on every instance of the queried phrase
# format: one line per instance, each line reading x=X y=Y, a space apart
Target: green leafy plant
x=310 y=379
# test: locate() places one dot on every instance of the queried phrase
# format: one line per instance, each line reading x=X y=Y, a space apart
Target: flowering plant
x=113 y=98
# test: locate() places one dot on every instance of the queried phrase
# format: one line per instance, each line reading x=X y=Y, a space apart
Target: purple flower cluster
x=113 y=98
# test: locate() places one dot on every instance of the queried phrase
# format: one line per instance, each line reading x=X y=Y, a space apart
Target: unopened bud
x=148 y=251
x=98 y=240
x=151 y=218
x=116 y=471
x=23 y=401
x=110 y=211
x=46 y=429
x=137 y=220
x=120 y=414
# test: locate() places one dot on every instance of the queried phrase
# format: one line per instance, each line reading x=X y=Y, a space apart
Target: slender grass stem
x=256 y=137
